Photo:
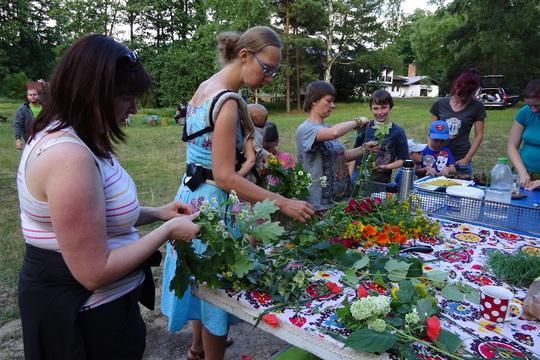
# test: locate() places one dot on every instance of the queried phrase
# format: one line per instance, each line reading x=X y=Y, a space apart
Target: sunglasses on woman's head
x=129 y=61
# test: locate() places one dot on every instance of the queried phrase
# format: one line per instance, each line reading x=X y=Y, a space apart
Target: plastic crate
x=491 y=213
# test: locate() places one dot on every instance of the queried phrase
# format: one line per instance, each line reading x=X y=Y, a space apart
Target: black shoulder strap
x=210 y=127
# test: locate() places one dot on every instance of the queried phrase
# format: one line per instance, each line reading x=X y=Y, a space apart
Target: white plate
x=425 y=182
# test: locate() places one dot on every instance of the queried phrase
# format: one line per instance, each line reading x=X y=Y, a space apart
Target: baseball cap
x=415 y=146
x=439 y=130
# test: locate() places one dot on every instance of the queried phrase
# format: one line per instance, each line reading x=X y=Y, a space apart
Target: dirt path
x=161 y=344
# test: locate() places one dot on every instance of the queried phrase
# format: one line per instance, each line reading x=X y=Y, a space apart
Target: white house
x=408 y=86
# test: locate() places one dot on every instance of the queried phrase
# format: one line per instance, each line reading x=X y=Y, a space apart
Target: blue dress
x=179 y=311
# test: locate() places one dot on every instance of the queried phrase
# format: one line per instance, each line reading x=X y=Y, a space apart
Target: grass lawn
x=154 y=156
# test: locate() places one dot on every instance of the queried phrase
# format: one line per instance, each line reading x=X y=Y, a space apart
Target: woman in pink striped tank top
x=85 y=267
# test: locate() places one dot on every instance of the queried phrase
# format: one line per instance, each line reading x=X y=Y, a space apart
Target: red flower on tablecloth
x=455 y=257
x=479 y=279
x=507 y=236
x=261 y=297
x=271 y=320
x=314 y=290
x=433 y=327
x=361 y=291
x=375 y=287
x=499 y=350
x=430 y=240
x=528 y=327
x=297 y=320
x=334 y=288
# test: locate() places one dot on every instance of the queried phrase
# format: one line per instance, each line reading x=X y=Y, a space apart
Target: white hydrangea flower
x=300 y=173
x=206 y=203
x=219 y=228
x=378 y=325
x=225 y=234
x=214 y=200
x=412 y=317
x=369 y=306
x=203 y=208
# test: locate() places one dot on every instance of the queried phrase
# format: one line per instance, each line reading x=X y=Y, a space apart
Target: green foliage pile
x=518 y=269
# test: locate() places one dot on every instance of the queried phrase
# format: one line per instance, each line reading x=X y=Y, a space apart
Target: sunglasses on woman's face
x=267 y=71
x=129 y=61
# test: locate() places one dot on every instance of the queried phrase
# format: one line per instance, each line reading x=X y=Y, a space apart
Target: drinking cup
x=496 y=303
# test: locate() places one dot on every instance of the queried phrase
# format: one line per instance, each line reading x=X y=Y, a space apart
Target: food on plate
x=443 y=183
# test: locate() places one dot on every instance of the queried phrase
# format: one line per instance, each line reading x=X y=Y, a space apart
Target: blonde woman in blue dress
x=252 y=59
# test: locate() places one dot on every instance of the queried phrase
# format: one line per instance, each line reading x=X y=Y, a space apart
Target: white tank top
x=122 y=211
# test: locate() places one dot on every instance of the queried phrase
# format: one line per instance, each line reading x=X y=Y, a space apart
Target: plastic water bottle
x=407 y=179
x=500 y=190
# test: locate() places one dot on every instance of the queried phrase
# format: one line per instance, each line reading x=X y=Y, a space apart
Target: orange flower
x=433 y=327
x=382 y=239
x=370 y=230
x=416 y=235
x=395 y=229
x=361 y=292
x=271 y=320
x=398 y=238
x=386 y=228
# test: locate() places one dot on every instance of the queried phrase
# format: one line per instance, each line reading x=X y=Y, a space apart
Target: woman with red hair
x=461 y=112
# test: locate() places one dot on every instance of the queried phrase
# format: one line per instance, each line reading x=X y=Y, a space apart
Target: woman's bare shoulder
x=206 y=90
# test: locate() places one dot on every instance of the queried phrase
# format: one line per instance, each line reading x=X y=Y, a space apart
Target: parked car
x=491 y=93
x=514 y=95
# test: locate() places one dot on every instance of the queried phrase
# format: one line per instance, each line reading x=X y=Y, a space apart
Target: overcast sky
x=409 y=6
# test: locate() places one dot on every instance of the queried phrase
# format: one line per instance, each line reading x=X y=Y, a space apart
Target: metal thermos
x=407 y=179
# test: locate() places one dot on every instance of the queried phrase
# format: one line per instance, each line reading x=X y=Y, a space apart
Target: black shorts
x=53 y=327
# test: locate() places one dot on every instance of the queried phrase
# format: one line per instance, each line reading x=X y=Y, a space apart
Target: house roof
x=413 y=79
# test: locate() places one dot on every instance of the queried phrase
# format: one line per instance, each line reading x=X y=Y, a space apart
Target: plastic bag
x=531 y=304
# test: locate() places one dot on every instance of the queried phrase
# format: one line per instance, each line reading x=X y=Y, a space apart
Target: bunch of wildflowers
x=293 y=182
x=373 y=221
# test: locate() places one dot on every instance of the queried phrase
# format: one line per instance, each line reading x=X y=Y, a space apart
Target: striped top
x=122 y=211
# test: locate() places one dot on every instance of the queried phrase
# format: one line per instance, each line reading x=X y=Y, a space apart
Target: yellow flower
x=394 y=291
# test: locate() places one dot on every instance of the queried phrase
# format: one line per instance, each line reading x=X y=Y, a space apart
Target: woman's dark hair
x=316 y=91
x=91 y=73
x=271 y=133
x=466 y=84
x=381 y=97
x=532 y=90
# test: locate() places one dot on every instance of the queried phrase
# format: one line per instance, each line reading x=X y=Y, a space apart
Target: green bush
x=14 y=86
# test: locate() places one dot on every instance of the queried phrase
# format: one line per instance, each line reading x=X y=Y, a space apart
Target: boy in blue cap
x=436 y=159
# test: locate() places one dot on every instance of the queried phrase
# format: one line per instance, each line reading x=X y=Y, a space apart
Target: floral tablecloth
x=309 y=325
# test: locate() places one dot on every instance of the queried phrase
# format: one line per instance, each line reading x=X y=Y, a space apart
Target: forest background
x=346 y=42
